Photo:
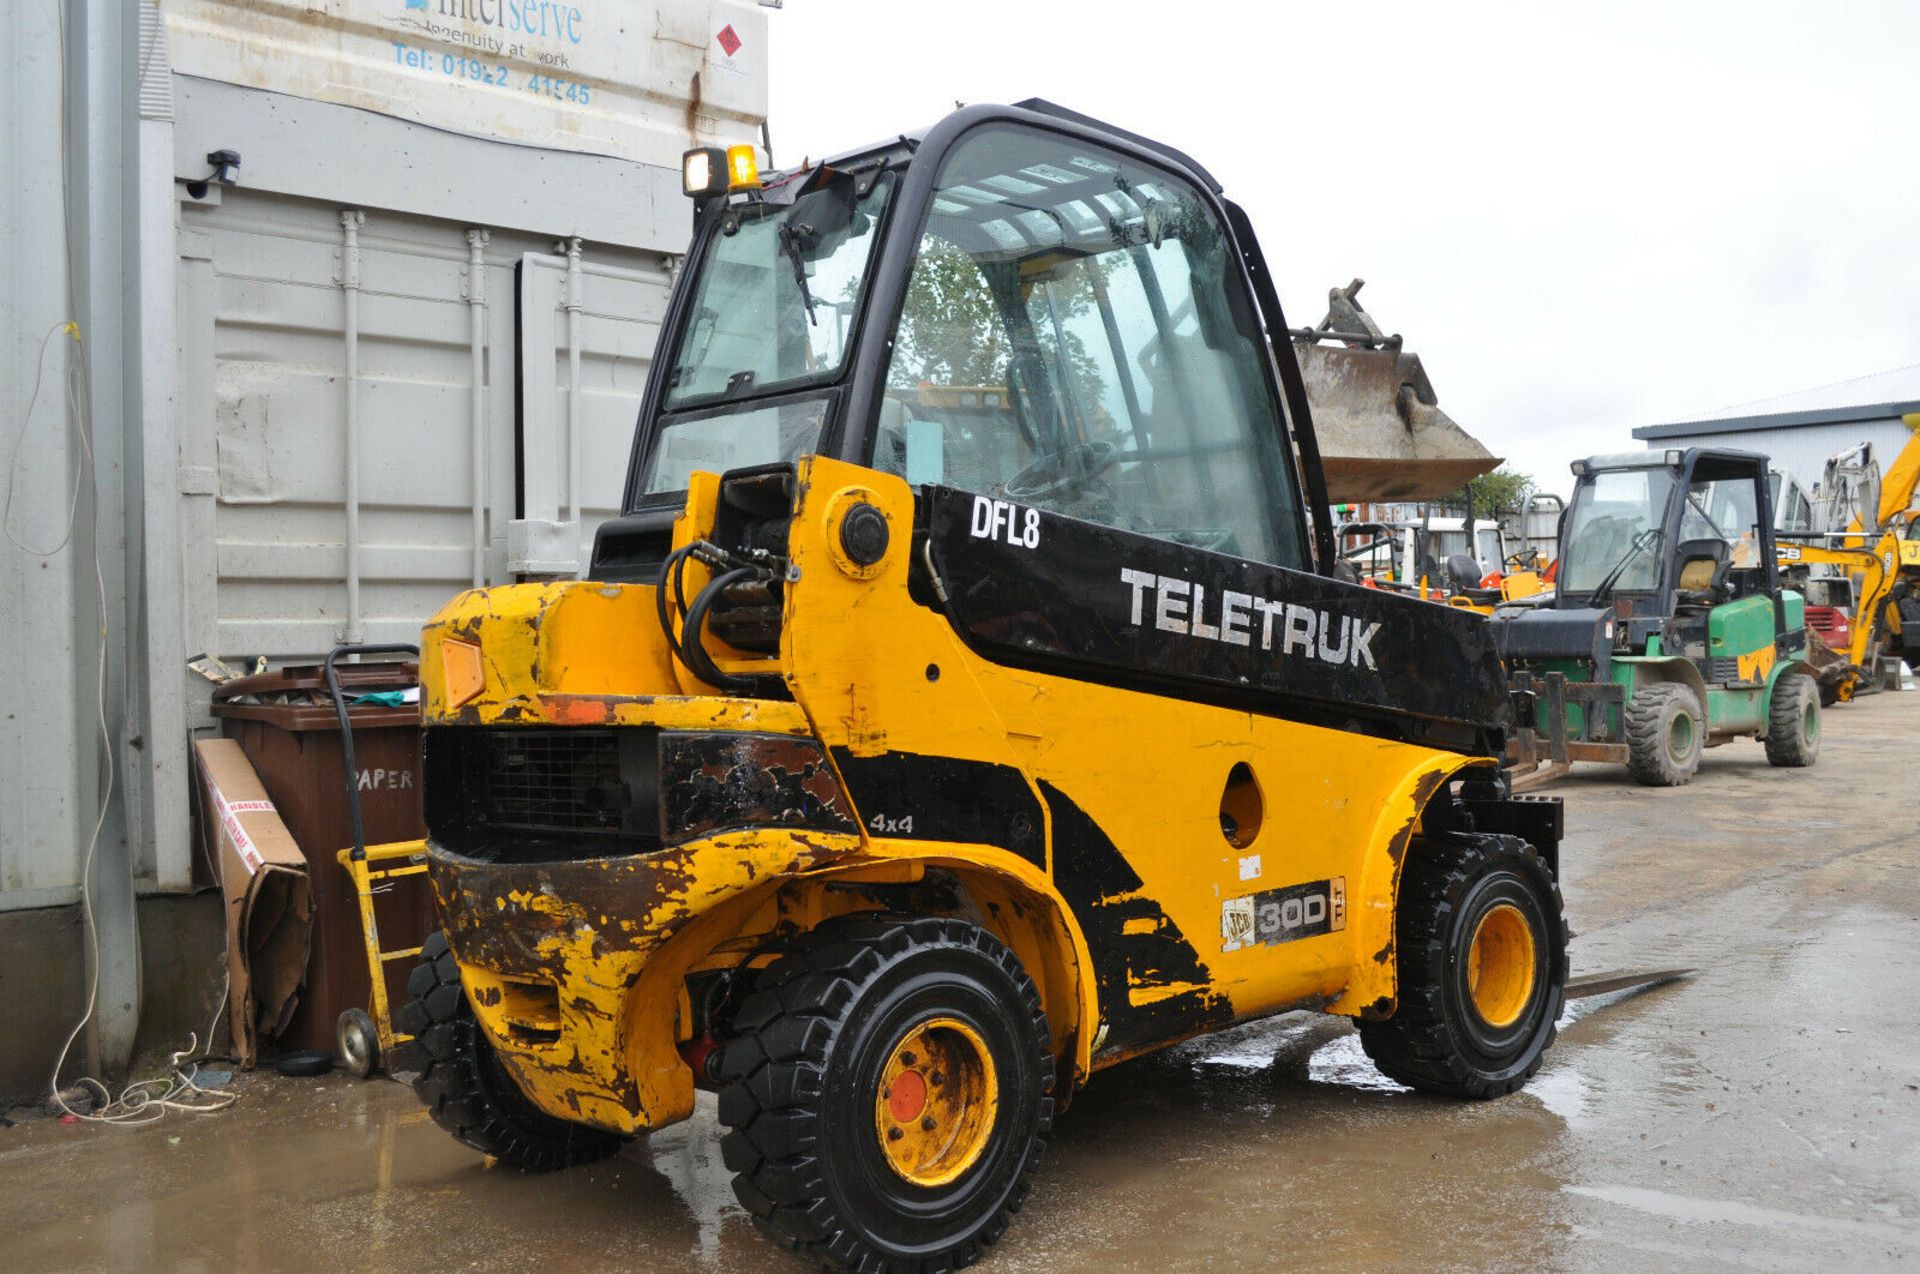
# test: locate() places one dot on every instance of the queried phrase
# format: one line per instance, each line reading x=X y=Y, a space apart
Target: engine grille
x=555 y=780
x=529 y=793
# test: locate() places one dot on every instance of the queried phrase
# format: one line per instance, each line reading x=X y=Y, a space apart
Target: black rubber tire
x=802 y=1072
x=1793 y=721
x=464 y=1086
x=1650 y=719
x=303 y=1063
x=1436 y=1041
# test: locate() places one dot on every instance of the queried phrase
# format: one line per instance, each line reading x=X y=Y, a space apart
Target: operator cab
x=1026 y=310
x=1438 y=549
x=1661 y=533
x=1650 y=543
x=1046 y=328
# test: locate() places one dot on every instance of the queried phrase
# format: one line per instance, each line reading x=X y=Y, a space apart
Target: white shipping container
x=445 y=250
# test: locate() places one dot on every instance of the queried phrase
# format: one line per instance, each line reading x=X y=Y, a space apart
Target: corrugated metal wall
x=263 y=386
x=42 y=740
x=215 y=325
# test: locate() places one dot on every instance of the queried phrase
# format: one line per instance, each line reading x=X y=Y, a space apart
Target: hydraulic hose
x=693 y=651
x=687 y=641
x=670 y=578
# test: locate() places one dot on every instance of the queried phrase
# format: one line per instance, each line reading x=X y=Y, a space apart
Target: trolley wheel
x=357 y=1043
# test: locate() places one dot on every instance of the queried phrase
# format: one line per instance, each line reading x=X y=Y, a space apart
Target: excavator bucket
x=1382 y=434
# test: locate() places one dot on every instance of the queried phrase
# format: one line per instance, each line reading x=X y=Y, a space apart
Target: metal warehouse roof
x=1878 y=396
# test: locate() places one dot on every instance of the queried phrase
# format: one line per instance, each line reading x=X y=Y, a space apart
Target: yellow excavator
x=1878 y=558
x=1873 y=573
x=1900 y=507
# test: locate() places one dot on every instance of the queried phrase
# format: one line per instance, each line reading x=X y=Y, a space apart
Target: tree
x=1502 y=491
x=952 y=331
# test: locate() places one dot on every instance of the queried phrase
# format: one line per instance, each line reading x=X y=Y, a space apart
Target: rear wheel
x=1793 y=721
x=1481 y=946
x=464 y=1086
x=1666 y=728
x=889 y=1094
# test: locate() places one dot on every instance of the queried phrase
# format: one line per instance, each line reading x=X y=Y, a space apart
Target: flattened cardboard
x=269 y=903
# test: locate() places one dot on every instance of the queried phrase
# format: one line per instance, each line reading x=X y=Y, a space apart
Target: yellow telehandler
x=964 y=702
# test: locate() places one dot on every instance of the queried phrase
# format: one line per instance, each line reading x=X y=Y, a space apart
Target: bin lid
x=359 y=678
x=311 y=708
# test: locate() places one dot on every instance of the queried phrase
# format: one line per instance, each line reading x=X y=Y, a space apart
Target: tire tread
x=1787 y=745
x=776 y=1067
x=1415 y=1046
x=449 y=1052
x=1645 y=721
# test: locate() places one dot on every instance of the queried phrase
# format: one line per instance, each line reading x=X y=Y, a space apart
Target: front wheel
x=1793 y=721
x=1481 y=945
x=889 y=1093
x=1666 y=729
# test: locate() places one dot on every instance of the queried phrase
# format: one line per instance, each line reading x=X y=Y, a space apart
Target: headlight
x=703 y=172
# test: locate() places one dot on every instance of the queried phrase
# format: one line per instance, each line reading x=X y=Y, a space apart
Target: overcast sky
x=1582 y=222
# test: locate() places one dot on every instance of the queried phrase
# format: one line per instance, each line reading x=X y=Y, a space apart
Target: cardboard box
x=269 y=903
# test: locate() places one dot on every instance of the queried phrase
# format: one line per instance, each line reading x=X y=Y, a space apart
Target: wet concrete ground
x=1765 y=1114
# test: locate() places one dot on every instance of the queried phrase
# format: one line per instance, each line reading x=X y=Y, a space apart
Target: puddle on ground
x=1563 y=1091
x=1772 y=1120
x=1342 y=1062
x=1696 y=1211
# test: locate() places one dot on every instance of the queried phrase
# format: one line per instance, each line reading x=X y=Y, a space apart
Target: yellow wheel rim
x=1500 y=966
x=934 y=1111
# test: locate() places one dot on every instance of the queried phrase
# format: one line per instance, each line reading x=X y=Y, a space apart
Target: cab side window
x=1727 y=510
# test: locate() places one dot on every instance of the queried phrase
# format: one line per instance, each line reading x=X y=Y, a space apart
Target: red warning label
x=729 y=41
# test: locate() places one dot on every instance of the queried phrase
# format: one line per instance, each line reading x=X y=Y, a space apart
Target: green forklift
x=1668 y=630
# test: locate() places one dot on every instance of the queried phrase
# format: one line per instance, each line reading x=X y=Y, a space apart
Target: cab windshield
x=1613 y=525
x=776 y=291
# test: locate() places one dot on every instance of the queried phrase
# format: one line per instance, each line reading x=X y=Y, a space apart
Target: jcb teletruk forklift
x=1669 y=630
x=964 y=703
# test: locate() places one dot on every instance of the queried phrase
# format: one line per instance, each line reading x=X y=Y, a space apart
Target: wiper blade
x=790 y=241
x=1641 y=542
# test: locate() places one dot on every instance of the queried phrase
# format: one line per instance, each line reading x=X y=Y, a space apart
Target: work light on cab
x=703 y=172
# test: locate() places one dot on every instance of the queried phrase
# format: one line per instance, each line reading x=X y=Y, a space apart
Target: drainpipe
x=572 y=306
x=350 y=222
x=476 y=337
